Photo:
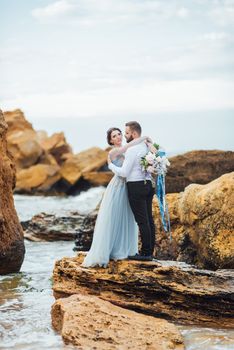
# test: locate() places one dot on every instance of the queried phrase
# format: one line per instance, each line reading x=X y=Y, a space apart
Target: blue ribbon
x=161 y=195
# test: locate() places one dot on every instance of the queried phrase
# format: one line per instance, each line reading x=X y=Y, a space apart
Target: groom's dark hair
x=134 y=126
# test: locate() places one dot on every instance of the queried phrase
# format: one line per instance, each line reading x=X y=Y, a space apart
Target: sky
x=82 y=66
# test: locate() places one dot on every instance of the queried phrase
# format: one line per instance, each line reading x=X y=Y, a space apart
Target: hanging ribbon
x=161 y=195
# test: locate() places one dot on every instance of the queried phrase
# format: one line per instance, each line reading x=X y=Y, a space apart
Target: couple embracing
x=126 y=207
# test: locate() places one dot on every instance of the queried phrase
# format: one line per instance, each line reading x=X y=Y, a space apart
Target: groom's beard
x=130 y=139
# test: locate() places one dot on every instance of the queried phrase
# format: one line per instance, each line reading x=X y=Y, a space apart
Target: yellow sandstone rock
x=91 y=323
x=40 y=177
x=57 y=146
x=23 y=141
x=202 y=224
x=83 y=163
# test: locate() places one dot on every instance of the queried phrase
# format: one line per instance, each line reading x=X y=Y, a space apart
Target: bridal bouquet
x=155 y=161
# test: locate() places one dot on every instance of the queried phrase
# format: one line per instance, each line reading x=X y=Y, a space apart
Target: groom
x=140 y=190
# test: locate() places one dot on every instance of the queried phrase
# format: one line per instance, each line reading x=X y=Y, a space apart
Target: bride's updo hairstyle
x=108 y=136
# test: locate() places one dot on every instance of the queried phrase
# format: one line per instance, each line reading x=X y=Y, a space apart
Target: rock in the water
x=12 y=248
x=91 y=323
x=84 y=235
x=198 y=167
x=163 y=289
x=202 y=225
x=50 y=227
x=57 y=146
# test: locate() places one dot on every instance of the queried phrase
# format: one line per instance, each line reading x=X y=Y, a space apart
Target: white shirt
x=131 y=168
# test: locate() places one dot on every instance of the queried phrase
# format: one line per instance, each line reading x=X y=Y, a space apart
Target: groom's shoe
x=140 y=257
x=146 y=257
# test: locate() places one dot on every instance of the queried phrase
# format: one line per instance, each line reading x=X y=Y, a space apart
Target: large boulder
x=202 y=220
x=98 y=178
x=85 y=164
x=91 y=323
x=12 y=248
x=57 y=146
x=38 y=178
x=22 y=140
x=16 y=121
x=173 y=290
x=198 y=167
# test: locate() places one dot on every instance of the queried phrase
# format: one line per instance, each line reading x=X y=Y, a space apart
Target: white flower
x=150 y=158
x=155 y=163
x=158 y=159
x=150 y=169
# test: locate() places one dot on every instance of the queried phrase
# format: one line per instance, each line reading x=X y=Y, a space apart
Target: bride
x=116 y=232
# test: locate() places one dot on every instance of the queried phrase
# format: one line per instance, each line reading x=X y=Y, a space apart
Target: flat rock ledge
x=91 y=323
x=49 y=227
x=168 y=289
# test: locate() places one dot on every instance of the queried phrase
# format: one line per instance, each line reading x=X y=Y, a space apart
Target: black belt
x=139 y=182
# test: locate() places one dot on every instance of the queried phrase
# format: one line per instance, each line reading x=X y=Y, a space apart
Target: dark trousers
x=140 y=194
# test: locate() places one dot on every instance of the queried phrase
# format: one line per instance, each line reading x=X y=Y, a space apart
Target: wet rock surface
x=84 y=235
x=50 y=227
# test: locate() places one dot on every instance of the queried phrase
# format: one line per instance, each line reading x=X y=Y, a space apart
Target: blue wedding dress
x=116 y=232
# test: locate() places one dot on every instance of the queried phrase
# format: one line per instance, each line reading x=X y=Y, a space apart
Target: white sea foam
x=27 y=206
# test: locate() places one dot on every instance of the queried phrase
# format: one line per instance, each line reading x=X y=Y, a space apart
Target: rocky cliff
x=11 y=234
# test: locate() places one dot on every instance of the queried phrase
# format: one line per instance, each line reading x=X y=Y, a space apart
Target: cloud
x=108 y=11
x=171 y=65
x=207 y=56
x=55 y=10
x=223 y=12
x=150 y=97
x=216 y=36
x=182 y=12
